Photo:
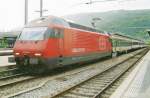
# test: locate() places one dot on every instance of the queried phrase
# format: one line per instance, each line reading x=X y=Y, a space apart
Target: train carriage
x=122 y=43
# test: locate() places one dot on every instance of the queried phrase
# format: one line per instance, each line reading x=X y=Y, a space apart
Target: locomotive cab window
x=36 y=33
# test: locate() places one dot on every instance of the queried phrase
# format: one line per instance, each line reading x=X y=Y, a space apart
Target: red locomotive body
x=53 y=42
x=81 y=45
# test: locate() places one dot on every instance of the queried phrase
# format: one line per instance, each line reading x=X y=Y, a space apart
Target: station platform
x=137 y=84
x=1 y=49
x=5 y=52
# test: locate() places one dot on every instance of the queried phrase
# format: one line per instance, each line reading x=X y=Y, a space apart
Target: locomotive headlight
x=37 y=54
x=17 y=53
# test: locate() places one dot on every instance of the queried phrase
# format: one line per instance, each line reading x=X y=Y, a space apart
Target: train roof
x=46 y=20
x=121 y=36
x=42 y=21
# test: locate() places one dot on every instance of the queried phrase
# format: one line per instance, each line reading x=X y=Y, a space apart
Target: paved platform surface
x=6 y=52
x=137 y=84
x=2 y=51
x=6 y=49
x=4 y=61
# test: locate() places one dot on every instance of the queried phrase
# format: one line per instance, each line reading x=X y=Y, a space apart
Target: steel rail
x=100 y=90
x=65 y=90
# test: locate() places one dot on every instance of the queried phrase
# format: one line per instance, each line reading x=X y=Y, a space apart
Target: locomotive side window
x=55 y=33
x=58 y=33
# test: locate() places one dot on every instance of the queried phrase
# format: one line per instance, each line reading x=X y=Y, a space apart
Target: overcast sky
x=12 y=11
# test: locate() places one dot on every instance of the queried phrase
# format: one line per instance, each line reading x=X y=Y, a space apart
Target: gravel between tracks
x=95 y=86
x=52 y=85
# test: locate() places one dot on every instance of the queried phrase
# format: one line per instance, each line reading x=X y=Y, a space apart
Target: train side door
x=59 y=33
x=61 y=41
x=102 y=43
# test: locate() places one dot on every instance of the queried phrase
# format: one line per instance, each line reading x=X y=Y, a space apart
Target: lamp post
x=94 y=20
x=41 y=9
x=26 y=12
x=89 y=2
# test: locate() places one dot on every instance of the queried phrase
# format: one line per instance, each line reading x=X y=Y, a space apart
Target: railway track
x=63 y=85
x=96 y=86
x=9 y=73
x=9 y=76
x=13 y=81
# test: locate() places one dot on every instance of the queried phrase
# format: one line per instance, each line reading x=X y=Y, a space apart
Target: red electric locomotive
x=51 y=42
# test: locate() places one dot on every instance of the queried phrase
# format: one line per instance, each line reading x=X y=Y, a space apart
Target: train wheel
x=19 y=64
x=36 y=70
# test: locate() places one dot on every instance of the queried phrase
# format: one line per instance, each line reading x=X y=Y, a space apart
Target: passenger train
x=51 y=42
